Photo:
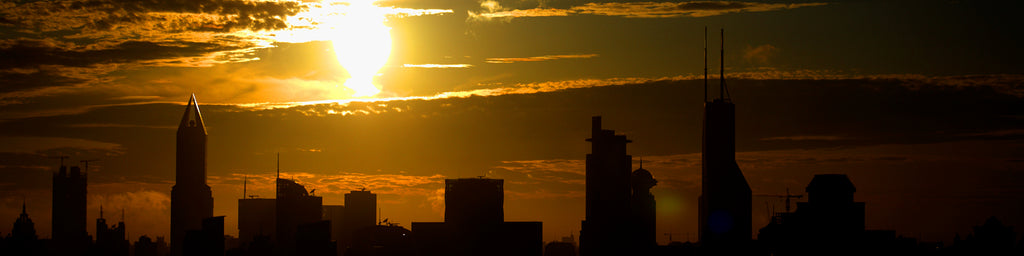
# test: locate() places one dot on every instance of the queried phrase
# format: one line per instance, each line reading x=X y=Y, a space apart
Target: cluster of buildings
x=619 y=219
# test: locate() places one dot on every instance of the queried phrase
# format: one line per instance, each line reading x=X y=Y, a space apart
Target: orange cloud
x=761 y=54
x=636 y=9
x=540 y=58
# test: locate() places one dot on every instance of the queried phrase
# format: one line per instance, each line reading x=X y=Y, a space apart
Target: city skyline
x=932 y=144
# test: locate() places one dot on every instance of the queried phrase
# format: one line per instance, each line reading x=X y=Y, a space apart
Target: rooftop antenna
x=722 y=68
x=279 y=165
x=101 y=211
x=705 y=64
x=245 y=181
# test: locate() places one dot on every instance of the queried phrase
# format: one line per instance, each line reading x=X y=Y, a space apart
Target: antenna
x=722 y=68
x=245 y=181
x=278 y=165
x=705 y=64
x=101 y=211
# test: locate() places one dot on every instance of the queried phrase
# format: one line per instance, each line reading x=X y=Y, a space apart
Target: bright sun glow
x=363 y=44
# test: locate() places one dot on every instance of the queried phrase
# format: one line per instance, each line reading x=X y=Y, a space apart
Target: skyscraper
x=725 y=201
x=606 y=227
x=191 y=198
x=110 y=240
x=360 y=212
x=68 y=217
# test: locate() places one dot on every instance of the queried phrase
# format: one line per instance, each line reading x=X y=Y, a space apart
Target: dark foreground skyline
x=918 y=102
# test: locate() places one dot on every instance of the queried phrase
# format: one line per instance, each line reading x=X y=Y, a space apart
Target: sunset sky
x=919 y=102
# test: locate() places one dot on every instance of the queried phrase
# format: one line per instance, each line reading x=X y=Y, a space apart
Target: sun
x=362 y=43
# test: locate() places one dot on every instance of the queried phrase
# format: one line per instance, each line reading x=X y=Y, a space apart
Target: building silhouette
x=314 y=239
x=360 y=212
x=471 y=225
x=294 y=207
x=725 y=202
x=145 y=246
x=68 y=217
x=206 y=241
x=110 y=240
x=829 y=223
x=606 y=228
x=191 y=198
x=644 y=210
x=23 y=239
x=336 y=215
x=256 y=218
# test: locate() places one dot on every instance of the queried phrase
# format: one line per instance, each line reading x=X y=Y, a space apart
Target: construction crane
x=87 y=164
x=62 y=157
x=787 y=196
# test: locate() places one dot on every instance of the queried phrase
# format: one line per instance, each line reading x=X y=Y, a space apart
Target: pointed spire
x=23 y=211
x=245 y=181
x=641 y=162
x=192 y=117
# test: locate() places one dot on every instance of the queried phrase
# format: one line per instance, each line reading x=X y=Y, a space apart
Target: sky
x=918 y=102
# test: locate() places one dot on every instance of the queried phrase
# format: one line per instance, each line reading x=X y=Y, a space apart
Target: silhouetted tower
x=191 y=199
x=474 y=201
x=606 y=228
x=68 y=216
x=725 y=201
x=360 y=212
x=22 y=240
x=644 y=211
x=256 y=218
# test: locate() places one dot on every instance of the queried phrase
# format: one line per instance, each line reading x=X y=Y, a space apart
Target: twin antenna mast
x=723 y=92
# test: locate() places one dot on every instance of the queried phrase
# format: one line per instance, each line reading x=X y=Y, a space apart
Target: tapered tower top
x=192 y=117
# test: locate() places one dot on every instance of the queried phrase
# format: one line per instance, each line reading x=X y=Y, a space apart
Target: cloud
x=40 y=144
x=493 y=10
x=436 y=65
x=761 y=54
x=806 y=137
x=539 y=58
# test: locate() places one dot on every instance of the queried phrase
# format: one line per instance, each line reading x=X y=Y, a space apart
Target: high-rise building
x=68 y=216
x=725 y=201
x=644 y=224
x=335 y=214
x=606 y=227
x=474 y=201
x=295 y=207
x=191 y=198
x=256 y=218
x=360 y=212
x=474 y=224
x=208 y=240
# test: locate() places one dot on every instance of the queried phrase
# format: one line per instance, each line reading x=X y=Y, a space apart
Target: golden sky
x=919 y=102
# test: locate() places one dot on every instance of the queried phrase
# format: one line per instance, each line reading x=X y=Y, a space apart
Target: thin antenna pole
x=278 y=165
x=705 y=64
x=245 y=181
x=722 y=68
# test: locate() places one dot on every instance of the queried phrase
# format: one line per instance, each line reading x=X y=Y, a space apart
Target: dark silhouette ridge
x=725 y=202
x=191 y=198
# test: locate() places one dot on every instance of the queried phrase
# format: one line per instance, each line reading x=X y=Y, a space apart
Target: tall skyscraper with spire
x=725 y=200
x=191 y=198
